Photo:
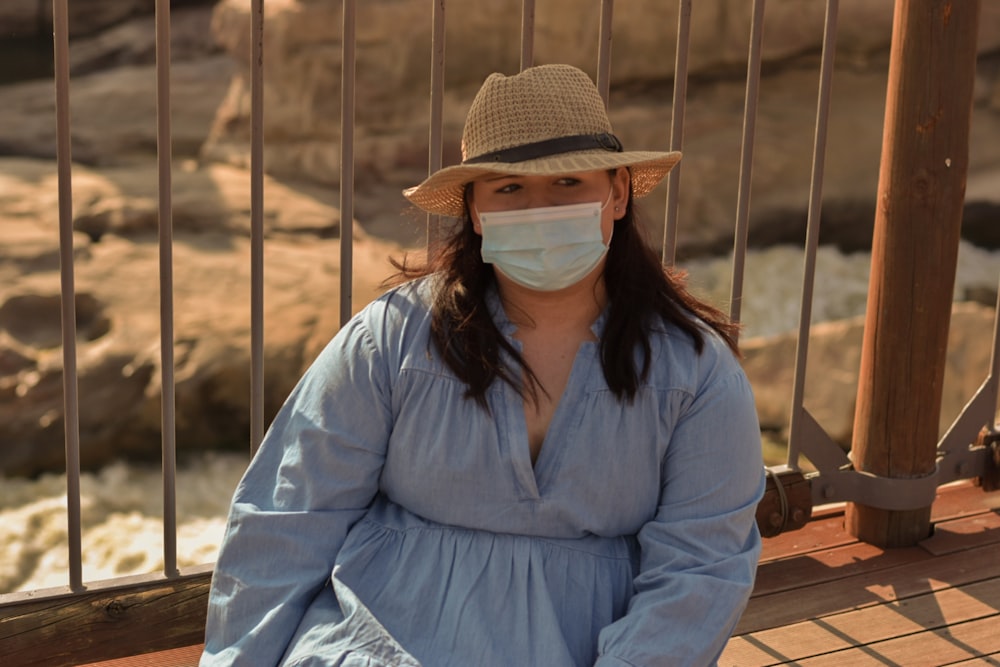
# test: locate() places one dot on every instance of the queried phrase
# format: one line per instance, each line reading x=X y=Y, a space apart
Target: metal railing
x=830 y=482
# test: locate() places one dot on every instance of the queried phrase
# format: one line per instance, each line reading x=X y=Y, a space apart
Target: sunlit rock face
x=302 y=100
x=117 y=308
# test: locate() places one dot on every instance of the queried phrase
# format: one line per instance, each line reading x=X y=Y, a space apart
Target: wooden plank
x=937 y=609
x=985 y=659
x=780 y=645
x=960 y=499
x=869 y=587
x=122 y=617
x=187 y=656
x=818 y=534
x=826 y=529
x=865 y=626
x=973 y=639
x=850 y=559
x=960 y=534
x=830 y=565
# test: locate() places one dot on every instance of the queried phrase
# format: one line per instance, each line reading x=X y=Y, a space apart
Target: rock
x=27 y=116
x=831 y=383
x=133 y=42
x=302 y=100
x=118 y=339
x=209 y=198
x=85 y=17
x=211 y=105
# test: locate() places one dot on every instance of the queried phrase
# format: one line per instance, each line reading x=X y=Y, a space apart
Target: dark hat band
x=580 y=142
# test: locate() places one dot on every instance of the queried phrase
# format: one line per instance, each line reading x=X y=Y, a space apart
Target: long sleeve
x=314 y=476
x=698 y=555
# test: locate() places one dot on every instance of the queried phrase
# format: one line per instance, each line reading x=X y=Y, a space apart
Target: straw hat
x=548 y=119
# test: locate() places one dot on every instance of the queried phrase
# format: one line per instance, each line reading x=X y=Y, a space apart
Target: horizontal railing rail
x=121 y=617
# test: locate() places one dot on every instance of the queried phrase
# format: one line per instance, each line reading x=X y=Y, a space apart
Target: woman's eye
x=567 y=180
x=509 y=188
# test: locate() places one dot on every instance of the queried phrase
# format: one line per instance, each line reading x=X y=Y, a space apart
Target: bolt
x=828 y=491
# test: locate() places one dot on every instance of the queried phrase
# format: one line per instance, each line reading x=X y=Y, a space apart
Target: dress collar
x=507 y=328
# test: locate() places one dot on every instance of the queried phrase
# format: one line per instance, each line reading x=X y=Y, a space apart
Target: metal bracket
x=979 y=460
x=787 y=502
x=889 y=493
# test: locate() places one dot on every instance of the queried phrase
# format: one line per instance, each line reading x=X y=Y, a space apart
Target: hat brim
x=443 y=192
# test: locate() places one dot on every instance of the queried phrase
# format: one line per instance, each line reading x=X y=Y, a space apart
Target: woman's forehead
x=582 y=175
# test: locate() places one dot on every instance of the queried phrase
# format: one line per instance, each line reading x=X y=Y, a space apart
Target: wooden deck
x=823 y=598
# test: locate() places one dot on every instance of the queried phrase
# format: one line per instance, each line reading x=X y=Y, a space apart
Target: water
x=122 y=506
x=773 y=284
x=121 y=516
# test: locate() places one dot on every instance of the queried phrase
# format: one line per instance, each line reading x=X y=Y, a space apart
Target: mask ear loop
x=611 y=195
x=607 y=203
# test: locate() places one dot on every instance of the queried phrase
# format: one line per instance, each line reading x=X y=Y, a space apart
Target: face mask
x=546 y=248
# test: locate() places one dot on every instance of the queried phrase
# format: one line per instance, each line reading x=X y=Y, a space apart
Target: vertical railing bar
x=604 y=51
x=678 y=105
x=990 y=388
x=746 y=159
x=812 y=229
x=951 y=443
x=993 y=380
x=527 y=34
x=167 y=398
x=256 y=225
x=995 y=352
x=435 y=141
x=71 y=399
x=347 y=164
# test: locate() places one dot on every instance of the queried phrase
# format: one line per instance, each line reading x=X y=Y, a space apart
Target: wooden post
x=914 y=255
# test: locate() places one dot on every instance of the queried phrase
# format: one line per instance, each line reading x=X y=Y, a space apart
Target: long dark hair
x=643 y=295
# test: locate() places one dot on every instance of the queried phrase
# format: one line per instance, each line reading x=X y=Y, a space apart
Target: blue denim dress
x=389 y=521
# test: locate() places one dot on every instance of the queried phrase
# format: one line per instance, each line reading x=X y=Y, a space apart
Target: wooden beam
x=787 y=502
x=123 y=617
x=925 y=148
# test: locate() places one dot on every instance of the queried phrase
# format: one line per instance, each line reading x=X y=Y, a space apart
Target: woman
x=539 y=451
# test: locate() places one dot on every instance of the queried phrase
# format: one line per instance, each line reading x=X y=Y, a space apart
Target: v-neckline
x=534 y=475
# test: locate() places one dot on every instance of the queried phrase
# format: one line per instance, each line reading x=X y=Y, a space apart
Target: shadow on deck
x=823 y=598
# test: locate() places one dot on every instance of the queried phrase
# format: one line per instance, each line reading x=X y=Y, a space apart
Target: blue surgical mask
x=545 y=249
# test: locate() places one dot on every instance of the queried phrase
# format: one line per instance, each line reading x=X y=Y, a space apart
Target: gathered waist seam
x=557 y=543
